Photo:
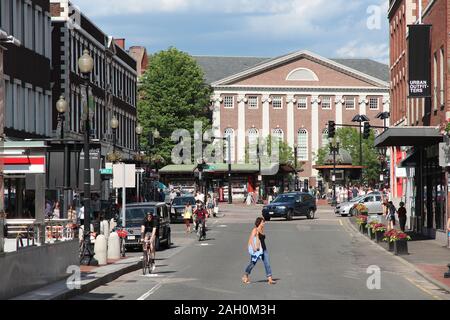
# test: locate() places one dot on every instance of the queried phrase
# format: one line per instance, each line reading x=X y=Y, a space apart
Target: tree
x=349 y=138
x=173 y=95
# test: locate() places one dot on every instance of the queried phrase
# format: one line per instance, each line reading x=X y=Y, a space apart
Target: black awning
x=408 y=137
x=411 y=160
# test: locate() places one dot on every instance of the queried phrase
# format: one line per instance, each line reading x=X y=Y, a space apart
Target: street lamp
x=384 y=116
x=61 y=107
x=260 y=176
x=360 y=119
x=139 y=131
x=382 y=152
x=296 y=166
x=86 y=65
x=228 y=140
x=334 y=150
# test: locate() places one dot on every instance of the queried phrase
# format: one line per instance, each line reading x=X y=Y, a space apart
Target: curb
x=406 y=262
x=97 y=282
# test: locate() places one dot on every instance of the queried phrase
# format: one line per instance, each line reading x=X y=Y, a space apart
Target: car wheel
x=289 y=215
x=266 y=218
x=157 y=244
x=169 y=241
x=311 y=214
x=352 y=212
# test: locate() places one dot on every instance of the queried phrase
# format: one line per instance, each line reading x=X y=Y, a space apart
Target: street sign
x=124 y=174
x=140 y=170
x=106 y=171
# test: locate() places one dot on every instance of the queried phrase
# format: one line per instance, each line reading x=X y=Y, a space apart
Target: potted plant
x=370 y=229
x=379 y=230
x=398 y=241
x=361 y=220
x=362 y=209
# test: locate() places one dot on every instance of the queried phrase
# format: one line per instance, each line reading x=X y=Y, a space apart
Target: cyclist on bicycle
x=149 y=232
x=201 y=214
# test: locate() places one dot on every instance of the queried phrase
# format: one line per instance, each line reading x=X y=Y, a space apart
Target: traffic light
x=331 y=129
x=367 y=129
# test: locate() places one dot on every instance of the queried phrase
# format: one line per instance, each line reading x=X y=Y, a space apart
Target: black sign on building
x=419 y=64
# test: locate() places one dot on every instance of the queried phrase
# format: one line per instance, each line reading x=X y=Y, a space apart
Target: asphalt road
x=317 y=259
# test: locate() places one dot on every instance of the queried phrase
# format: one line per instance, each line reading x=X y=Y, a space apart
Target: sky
x=251 y=28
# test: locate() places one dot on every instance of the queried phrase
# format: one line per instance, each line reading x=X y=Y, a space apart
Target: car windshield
x=183 y=201
x=284 y=198
x=358 y=199
x=138 y=213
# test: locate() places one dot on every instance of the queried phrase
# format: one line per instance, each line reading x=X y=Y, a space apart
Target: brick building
x=292 y=97
x=417 y=177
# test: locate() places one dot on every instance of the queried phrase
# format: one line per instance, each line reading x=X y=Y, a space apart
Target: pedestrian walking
x=258 y=250
x=390 y=217
x=187 y=216
x=402 y=216
x=57 y=211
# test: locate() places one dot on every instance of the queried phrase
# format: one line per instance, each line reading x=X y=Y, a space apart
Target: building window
x=228 y=102
x=350 y=103
x=302 y=103
x=442 y=79
x=253 y=102
x=229 y=132
x=325 y=138
x=278 y=133
x=302 y=151
x=277 y=102
x=373 y=103
x=326 y=103
x=435 y=85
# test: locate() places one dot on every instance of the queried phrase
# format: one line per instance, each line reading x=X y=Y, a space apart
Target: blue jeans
x=265 y=259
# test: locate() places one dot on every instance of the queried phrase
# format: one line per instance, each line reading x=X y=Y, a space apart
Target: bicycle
x=147 y=260
x=123 y=234
x=201 y=233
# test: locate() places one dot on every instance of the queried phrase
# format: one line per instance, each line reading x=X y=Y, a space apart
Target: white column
x=241 y=129
x=363 y=105
x=217 y=100
x=266 y=116
x=314 y=132
x=290 y=121
x=339 y=102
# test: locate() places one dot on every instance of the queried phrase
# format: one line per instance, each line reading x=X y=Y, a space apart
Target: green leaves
x=173 y=95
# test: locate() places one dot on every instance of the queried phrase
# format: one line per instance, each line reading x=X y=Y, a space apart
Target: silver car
x=373 y=201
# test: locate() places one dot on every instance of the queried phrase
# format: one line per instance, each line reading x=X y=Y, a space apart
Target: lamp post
x=139 y=131
x=260 y=176
x=382 y=152
x=360 y=119
x=296 y=166
x=384 y=116
x=61 y=107
x=86 y=65
x=228 y=140
x=334 y=150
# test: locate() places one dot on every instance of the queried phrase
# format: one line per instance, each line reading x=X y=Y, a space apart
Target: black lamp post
x=334 y=150
x=360 y=119
x=384 y=116
x=260 y=176
x=139 y=131
x=86 y=65
x=61 y=107
x=296 y=166
x=382 y=152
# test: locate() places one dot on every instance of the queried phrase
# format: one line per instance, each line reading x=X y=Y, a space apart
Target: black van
x=135 y=214
x=289 y=205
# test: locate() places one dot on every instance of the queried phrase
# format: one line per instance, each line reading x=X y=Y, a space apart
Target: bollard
x=104 y=228
x=114 y=246
x=112 y=225
x=100 y=249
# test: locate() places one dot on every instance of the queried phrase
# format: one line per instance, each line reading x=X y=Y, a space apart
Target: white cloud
x=355 y=49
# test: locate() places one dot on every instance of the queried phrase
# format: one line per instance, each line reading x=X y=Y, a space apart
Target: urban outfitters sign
x=419 y=64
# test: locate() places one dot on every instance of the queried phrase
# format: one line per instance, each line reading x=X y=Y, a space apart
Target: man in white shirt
x=81 y=215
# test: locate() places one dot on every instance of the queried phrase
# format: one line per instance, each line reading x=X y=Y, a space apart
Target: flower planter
x=391 y=246
x=370 y=233
x=379 y=236
x=363 y=228
x=401 y=247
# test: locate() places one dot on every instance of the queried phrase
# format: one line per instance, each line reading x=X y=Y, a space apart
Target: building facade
x=293 y=97
x=424 y=187
x=113 y=80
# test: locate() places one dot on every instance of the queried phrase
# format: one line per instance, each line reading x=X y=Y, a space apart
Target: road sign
x=106 y=171
x=124 y=174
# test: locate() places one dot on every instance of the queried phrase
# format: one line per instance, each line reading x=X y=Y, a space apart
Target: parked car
x=135 y=214
x=177 y=207
x=290 y=205
x=373 y=201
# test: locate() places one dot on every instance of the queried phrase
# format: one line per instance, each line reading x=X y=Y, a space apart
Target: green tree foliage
x=286 y=153
x=173 y=95
x=349 y=138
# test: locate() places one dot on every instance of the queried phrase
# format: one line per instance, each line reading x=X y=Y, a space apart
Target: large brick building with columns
x=293 y=97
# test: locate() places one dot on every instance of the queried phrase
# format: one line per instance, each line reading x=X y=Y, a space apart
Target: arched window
x=253 y=136
x=303 y=149
x=302 y=74
x=229 y=132
x=325 y=137
x=278 y=133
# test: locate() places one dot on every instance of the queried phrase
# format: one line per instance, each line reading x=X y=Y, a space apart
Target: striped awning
x=23 y=157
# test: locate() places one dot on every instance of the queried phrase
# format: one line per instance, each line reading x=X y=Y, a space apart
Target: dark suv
x=289 y=205
x=135 y=214
x=178 y=205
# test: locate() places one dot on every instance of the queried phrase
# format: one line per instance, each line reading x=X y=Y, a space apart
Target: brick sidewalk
x=427 y=256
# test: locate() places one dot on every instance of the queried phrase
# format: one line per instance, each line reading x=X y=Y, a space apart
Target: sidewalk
x=91 y=278
x=426 y=256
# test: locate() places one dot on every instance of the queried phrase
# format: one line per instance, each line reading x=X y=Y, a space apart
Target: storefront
x=427 y=199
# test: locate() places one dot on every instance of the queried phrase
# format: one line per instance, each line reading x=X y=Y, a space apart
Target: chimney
x=120 y=43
